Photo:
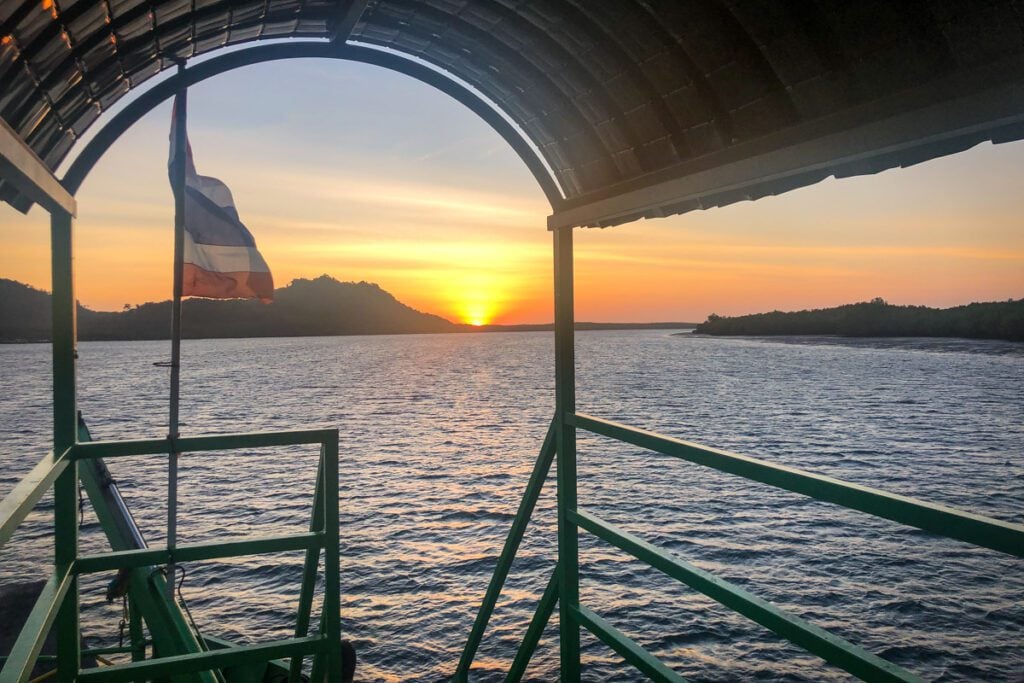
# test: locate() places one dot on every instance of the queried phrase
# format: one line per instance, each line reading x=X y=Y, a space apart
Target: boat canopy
x=638 y=108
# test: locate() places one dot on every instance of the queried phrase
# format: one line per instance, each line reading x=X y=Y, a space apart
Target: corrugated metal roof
x=615 y=94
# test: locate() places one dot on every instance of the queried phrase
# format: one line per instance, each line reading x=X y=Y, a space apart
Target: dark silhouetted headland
x=320 y=307
x=876 y=318
x=323 y=306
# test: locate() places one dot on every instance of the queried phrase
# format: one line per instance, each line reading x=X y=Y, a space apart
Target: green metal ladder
x=563 y=587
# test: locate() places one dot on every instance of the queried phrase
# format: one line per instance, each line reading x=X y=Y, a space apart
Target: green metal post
x=309 y=570
x=332 y=581
x=178 y=186
x=565 y=403
x=136 y=636
x=65 y=427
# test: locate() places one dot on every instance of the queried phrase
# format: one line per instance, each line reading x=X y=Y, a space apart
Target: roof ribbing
x=615 y=94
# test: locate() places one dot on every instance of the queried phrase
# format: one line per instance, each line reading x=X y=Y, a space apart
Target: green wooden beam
x=818 y=641
x=946 y=521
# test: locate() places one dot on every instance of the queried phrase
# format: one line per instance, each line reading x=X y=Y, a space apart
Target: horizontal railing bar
x=939 y=519
x=22 y=658
x=643 y=660
x=113 y=650
x=152 y=669
x=87 y=652
x=196 y=552
x=815 y=640
x=192 y=444
x=16 y=505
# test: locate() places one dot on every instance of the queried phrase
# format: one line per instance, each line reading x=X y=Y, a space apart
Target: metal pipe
x=332 y=583
x=309 y=570
x=987 y=532
x=818 y=641
x=565 y=405
x=178 y=184
x=65 y=427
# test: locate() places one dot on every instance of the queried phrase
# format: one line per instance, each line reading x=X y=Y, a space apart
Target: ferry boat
x=621 y=110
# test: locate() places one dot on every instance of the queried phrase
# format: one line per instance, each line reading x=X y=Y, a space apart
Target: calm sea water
x=439 y=433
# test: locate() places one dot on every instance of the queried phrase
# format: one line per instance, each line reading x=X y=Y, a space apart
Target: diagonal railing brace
x=508 y=552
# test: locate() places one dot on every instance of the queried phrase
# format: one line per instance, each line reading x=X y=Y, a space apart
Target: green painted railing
x=58 y=592
x=945 y=521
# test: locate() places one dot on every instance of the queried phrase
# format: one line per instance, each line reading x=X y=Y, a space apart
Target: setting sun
x=476 y=302
x=477 y=315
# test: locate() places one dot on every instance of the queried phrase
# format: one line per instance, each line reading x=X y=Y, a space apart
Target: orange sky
x=365 y=175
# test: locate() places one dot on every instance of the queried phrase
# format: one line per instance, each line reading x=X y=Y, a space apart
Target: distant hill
x=24 y=312
x=876 y=318
x=323 y=306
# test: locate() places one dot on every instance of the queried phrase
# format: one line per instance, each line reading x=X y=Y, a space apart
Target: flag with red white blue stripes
x=221 y=260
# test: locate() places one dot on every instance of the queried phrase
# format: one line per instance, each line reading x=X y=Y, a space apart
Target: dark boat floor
x=16 y=602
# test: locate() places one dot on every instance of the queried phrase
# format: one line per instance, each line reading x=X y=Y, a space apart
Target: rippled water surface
x=439 y=433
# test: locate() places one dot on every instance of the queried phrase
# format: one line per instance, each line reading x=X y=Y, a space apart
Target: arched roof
x=661 y=102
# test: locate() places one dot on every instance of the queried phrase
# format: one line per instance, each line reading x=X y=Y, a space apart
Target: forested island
x=319 y=307
x=877 y=318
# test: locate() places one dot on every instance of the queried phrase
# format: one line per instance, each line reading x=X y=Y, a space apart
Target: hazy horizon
x=365 y=174
x=456 y=321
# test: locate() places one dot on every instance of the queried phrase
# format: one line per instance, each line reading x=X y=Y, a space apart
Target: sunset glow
x=476 y=314
x=433 y=206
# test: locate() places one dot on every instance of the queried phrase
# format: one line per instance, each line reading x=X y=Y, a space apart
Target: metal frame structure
x=941 y=520
x=178 y=653
x=58 y=604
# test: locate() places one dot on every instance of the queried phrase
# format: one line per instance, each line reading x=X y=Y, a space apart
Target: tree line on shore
x=877 y=318
x=325 y=306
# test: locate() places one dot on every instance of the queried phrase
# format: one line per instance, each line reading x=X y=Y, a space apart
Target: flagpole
x=180 y=151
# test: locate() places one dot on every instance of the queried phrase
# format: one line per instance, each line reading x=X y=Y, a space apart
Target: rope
x=45 y=676
x=188 y=612
x=192 y=622
x=81 y=508
x=124 y=621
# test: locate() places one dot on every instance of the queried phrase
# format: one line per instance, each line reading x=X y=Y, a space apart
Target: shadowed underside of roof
x=618 y=96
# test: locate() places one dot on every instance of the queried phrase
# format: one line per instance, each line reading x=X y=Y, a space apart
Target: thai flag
x=221 y=260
